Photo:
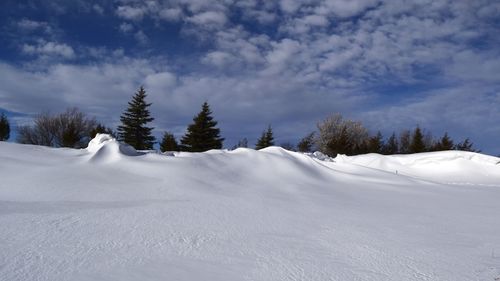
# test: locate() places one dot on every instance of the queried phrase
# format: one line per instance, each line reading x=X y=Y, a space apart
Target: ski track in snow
x=110 y=213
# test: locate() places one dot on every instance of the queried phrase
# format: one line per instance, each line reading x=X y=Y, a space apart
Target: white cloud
x=217 y=58
x=160 y=82
x=316 y=20
x=171 y=14
x=290 y=6
x=131 y=13
x=28 y=25
x=98 y=9
x=349 y=8
x=126 y=27
x=49 y=49
x=141 y=37
x=209 y=18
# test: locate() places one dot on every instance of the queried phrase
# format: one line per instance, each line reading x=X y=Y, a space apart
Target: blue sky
x=289 y=63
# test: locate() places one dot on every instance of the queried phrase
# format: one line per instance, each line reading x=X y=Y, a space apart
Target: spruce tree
x=101 y=129
x=4 y=128
x=133 y=130
x=168 y=143
x=404 y=142
x=202 y=134
x=306 y=143
x=241 y=143
x=266 y=139
x=391 y=146
x=376 y=143
x=466 y=145
x=417 y=142
x=445 y=143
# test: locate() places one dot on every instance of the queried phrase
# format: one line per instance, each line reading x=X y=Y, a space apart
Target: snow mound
x=443 y=166
x=105 y=148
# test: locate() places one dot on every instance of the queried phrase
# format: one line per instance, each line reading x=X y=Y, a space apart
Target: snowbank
x=105 y=148
x=100 y=214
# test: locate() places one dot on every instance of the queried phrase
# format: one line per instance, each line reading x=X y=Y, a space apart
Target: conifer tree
x=417 y=142
x=404 y=142
x=101 y=129
x=466 y=145
x=445 y=143
x=133 y=130
x=391 y=146
x=376 y=143
x=202 y=134
x=4 y=128
x=266 y=139
x=168 y=143
x=241 y=143
x=306 y=143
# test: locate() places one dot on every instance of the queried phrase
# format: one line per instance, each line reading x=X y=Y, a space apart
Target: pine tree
x=376 y=143
x=101 y=129
x=417 y=144
x=202 y=135
x=466 y=145
x=391 y=146
x=168 y=143
x=445 y=143
x=241 y=143
x=133 y=130
x=404 y=142
x=306 y=143
x=266 y=139
x=4 y=128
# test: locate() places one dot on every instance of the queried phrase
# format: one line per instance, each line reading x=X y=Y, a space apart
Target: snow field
x=111 y=213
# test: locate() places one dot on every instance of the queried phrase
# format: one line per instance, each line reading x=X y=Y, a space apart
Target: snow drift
x=109 y=212
x=104 y=148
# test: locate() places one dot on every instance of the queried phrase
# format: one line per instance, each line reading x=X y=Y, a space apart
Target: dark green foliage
x=466 y=145
x=133 y=130
x=4 y=128
x=202 y=134
x=391 y=146
x=101 y=129
x=445 y=143
x=241 y=143
x=376 y=143
x=417 y=144
x=404 y=142
x=306 y=143
x=266 y=139
x=168 y=143
x=288 y=146
x=68 y=129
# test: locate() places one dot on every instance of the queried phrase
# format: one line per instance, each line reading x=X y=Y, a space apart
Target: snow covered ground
x=111 y=213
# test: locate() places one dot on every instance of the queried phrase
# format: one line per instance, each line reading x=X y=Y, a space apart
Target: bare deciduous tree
x=68 y=129
x=337 y=135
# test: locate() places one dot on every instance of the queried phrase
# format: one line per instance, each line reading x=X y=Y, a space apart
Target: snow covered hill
x=109 y=212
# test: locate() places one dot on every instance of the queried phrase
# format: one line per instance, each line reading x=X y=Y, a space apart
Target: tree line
x=334 y=135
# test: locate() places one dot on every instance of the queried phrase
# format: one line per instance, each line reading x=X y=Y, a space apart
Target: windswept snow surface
x=111 y=213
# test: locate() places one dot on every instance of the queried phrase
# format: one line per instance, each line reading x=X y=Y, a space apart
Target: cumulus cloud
x=141 y=37
x=217 y=58
x=49 y=49
x=27 y=24
x=208 y=18
x=126 y=27
x=171 y=14
x=374 y=60
x=131 y=13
